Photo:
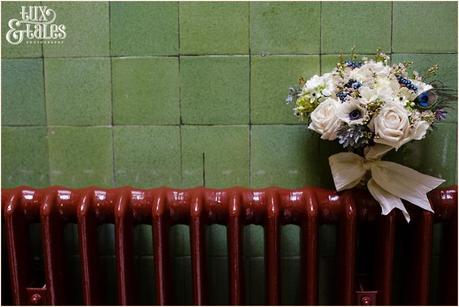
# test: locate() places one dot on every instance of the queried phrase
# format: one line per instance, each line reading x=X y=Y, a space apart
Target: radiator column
x=87 y=233
x=235 y=260
x=272 y=249
x=160 y=229
x=309 y=247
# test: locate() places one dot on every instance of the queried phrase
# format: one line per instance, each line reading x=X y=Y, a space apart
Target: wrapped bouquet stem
x=374 y=107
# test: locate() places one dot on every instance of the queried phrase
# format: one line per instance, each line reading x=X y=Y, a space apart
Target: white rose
x=420 y=129
x=391 y=126
x=324 y=120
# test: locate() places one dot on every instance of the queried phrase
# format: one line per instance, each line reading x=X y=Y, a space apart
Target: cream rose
x=391 y=126
x=324 y=120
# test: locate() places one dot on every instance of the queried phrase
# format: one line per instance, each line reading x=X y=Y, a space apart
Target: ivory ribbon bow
x=389 y=183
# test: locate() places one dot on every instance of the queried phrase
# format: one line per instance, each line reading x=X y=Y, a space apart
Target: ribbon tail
x=386 y=200
x=405 y=183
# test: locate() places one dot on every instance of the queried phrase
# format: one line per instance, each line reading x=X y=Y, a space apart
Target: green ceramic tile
x=145 y=91
x=218 y=286
x=215 y=156
x=179 y=240
x=80 y=156
x=327 y=281
x=108 y=280
x=447 y=72
x=326 y=149
x=86 y=26
x=437 y=233
x=435 y=281
x=144 y=28
x=78 y=91
x=256 y=282
x=73 y=278
x=143 y=240
x=436 y=155
x=291 y=275
x=247 y=293
x=35 y=241
x=363 y=25
x=181 y=292
x=284 y=156
x=254 y=245
x=214 y=28
x=147 y=156
x=12 y=10
x=271 y=78
x=327 y=240
x=429 y=27
x=24 y=157
x=145 y=281
x=285 y=28
x=216 y=240
x=71 y=243
x=215 y=90
x=23 y=99
x=106 y=239
x=290 y=240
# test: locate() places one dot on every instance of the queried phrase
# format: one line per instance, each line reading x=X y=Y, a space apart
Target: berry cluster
x=353 y=64
x=342 y=95
x=407 y=83
x=353 y=83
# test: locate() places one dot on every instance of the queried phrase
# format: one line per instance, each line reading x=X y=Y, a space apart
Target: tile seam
x=46 y=112
x=180 y=93
x=112 y=130
x=250 y=93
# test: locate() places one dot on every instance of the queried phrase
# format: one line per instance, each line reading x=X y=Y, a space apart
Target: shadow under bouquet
x=371 y=107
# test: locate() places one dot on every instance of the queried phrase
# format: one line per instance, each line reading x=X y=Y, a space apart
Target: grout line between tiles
x=391 y=28
x=114 y=181
x=217 y=55
x=320 y=37
x=250 y=93
x=180 y=94
x=250 y=111
x=46 y=112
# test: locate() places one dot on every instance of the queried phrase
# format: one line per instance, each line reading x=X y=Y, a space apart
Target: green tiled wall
x=186 y=94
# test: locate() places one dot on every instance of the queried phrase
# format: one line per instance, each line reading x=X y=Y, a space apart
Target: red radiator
x=272 y=207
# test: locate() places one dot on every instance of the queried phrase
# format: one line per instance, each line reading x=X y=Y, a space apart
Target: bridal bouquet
x=371 y=107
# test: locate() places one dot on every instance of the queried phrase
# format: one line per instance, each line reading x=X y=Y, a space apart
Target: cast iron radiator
x=236 y=207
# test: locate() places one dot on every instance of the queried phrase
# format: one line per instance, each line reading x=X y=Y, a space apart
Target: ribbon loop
x=390 y=182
